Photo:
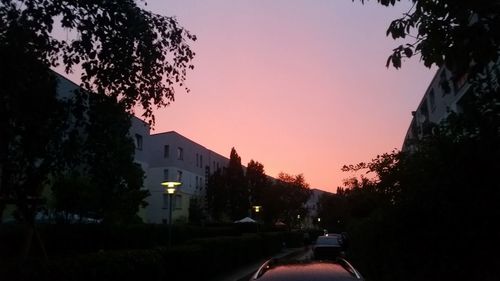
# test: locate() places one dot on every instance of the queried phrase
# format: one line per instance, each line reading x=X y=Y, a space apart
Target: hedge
x=198 y=259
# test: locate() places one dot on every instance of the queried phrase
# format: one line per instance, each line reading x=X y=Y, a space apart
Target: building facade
x=436 y=104
x=169 y=156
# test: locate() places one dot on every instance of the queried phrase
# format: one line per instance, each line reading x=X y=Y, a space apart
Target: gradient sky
x=300 y=86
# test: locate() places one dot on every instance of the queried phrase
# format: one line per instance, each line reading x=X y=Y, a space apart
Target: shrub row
x=198 y=259
x=60 y=240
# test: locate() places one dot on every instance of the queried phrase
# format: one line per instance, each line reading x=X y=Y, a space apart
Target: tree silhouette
x=125 y=52
x=236 y=187
x=286 y=199
x=463 y=35
x=257 y=181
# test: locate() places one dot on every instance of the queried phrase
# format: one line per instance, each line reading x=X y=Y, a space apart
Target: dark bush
x=200 y=258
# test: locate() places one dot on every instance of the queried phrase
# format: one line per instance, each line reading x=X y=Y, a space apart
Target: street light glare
x=171 y=184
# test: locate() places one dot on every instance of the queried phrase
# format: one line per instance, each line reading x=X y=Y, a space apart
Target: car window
x=331 y=241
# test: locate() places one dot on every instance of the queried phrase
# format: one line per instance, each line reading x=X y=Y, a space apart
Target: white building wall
x=436 y=104
x=198 y=162
x=195 y=164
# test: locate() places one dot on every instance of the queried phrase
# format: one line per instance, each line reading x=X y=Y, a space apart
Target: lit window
x=180 y=153
x=138 y=142
x=166 y=151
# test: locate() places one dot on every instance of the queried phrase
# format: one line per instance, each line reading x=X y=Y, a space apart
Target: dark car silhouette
x=328 y=247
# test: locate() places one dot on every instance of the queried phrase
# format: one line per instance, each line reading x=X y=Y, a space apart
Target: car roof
x=305 y=271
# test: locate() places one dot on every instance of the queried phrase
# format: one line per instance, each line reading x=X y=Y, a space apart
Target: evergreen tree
x=257 y=181
x=238 y=197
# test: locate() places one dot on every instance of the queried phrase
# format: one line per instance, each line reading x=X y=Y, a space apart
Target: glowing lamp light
x=257 y=208
x=170 y=186
x=319 y=219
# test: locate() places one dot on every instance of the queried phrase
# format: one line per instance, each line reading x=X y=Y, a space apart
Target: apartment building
x=436 y=105
x=169 y=156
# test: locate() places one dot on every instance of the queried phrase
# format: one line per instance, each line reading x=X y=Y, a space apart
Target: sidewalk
x=246 y=271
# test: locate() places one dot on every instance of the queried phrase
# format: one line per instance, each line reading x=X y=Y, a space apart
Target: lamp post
x=257 y=209
x=170 y=190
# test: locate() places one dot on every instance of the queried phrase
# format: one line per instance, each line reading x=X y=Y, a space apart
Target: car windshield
x=328 y=240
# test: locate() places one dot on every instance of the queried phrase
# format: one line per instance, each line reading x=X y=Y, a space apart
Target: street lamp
x=257 y=209
x=170 y=189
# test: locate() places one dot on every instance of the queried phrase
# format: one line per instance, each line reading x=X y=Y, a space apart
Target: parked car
x=328 y=247
x=343 y=239
x=276 y=270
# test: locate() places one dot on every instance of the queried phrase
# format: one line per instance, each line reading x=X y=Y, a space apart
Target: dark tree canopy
x=131 y=55
x=435 y=197
x=227 y=192
x=238 y=203
x=463 y=35
x=103 y=182
x=256 y=180
x=286 y=199
x=124 y=51
x=217 y=195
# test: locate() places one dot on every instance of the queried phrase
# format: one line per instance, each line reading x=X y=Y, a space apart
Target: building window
x=432 y=100
x=196 y=179
x=165 y=175
x=179 y=176
x=460 y=82
x=138 y=142
x=180 y=153
x=166 y=151
x=423 y=112
x=177 y=204
x=197 y=160
x=165 y=201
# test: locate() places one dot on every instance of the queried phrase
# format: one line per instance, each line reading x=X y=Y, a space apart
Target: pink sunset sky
x=300 y=86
